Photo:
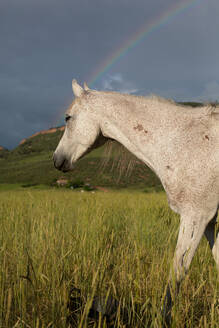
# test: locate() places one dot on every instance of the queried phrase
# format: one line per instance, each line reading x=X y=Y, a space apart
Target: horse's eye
x=67 y=117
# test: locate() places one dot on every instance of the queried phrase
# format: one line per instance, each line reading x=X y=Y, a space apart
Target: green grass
x=116 y=243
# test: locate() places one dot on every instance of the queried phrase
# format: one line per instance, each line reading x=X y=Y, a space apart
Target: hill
x=30 y=163
x=3 y=152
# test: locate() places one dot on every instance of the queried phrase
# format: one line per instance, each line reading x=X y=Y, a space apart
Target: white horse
x=180 y=144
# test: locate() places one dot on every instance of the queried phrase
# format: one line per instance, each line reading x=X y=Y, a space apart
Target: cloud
x=116 y=82
x=44 y=44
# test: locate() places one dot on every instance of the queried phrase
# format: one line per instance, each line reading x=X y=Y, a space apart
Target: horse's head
x=82 y=132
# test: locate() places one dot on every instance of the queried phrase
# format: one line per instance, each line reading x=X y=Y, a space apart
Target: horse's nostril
x=55 y=164
x=62 y=165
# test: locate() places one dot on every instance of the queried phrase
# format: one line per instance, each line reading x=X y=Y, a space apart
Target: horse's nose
x=58 y=161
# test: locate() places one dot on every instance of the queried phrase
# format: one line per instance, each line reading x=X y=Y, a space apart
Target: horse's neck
x=136 y=129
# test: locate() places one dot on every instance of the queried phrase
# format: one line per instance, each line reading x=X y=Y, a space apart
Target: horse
x=179 y=143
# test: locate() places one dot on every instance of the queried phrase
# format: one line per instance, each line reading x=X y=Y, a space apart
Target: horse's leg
x=212 y=236
x=192 y=227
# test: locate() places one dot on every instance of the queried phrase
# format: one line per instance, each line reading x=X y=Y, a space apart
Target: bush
x=75 y=184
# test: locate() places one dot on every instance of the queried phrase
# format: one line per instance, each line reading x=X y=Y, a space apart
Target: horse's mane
x=119 y=157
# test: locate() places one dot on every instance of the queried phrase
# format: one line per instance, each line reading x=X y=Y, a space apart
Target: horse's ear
x=77 y=89
x=86 y=87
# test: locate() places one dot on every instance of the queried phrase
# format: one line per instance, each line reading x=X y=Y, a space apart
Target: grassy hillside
x=31 y=163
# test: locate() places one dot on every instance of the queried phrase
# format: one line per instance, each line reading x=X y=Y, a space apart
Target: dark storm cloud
x=44 y=44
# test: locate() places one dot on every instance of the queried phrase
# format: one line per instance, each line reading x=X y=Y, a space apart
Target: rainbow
x=145 y=30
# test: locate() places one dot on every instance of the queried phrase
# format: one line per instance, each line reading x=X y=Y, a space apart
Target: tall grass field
x=82 y=259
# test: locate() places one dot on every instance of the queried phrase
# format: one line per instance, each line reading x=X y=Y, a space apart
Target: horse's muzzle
x=61 y=163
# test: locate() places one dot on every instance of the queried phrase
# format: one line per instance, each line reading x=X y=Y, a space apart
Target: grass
x=59 y=246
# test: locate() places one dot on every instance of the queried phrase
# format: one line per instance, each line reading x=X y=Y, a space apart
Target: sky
x=47 y=43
